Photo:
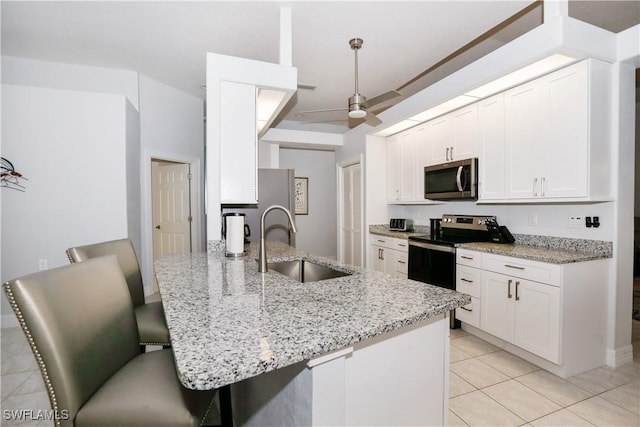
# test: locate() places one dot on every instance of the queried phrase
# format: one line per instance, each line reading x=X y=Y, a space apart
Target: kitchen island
x=363 y=349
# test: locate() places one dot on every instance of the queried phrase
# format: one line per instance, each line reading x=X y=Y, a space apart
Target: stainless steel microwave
x=452 y=181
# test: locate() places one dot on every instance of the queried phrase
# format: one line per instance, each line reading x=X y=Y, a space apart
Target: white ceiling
x=167 y=41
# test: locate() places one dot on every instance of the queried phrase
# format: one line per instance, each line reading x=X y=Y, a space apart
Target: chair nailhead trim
x=36 y=352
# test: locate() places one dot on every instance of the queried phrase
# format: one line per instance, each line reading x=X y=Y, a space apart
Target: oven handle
x=459 y=179
x=431 y=246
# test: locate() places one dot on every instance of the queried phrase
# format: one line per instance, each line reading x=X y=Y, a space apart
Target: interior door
x=171 y=208
x=351 y=212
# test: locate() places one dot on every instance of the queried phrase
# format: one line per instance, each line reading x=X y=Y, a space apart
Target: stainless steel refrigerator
x=275 y=187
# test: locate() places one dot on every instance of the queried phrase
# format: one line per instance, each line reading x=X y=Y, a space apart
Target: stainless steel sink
x=306 y=271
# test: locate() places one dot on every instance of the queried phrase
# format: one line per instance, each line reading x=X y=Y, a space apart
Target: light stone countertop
x=383 y=230
x=228 y=322
x=534 y=253
x=555 y=250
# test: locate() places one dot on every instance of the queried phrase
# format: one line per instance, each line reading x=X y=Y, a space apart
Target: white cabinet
x=553 y=315
x=491 y=149
x=468 y=280
x=521 y=304
x=238 y=139
x=523 y=312
x=454 y=136
x=553 y=146
x=394 y=167
x=243 y=96
x=389 y=255
x=407 y=155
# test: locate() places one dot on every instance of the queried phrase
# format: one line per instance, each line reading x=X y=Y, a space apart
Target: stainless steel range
x=432 y=258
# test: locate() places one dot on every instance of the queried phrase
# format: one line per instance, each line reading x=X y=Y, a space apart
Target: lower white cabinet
x=523 y=312
x=389 y=255
x=468 y=280
x=553 y=315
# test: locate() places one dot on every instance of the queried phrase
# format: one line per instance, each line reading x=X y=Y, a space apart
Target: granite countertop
x=228 y=322
x=535 y=253
x=383 y=230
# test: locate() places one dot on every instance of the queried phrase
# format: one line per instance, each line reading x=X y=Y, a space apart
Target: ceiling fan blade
x=327 y=110
x=372 y=119
x=380 y=98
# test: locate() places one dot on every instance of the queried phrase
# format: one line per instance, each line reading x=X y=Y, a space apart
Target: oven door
x=432 y=263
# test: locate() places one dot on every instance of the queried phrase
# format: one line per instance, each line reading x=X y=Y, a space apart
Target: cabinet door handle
x=466 y=257
x=380 y=241
x=542 y=181
x=447 y=155
x=402 y=244
x=382 y=253
x=517 y=285
x=451 y=152
x=466 y=309
x=535 y=187
x=514 y=266
x=509 y=288
x=401 y=262
x=466 y=280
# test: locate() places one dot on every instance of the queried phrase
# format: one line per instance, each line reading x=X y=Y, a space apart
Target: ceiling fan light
x=357 y=114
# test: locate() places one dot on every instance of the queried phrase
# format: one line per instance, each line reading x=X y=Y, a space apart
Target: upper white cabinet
x=407 y=155
x=454 y=136
x=238 y=150
x=555 y=141
x=546 y=140
x=242 y=95
x=491 y=147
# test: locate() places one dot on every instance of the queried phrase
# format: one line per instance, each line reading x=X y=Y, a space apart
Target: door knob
x=158 y=227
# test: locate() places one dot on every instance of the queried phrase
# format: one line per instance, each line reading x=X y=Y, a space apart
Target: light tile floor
x=488 y=387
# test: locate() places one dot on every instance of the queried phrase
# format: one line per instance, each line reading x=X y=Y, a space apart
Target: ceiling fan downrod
x=355 y=101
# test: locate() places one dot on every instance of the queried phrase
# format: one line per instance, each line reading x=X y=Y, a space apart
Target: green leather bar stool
x=80 y=323
x=152 y=325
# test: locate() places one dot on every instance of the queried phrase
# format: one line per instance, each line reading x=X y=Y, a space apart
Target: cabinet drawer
x=468 y=280
x=401 y=245
x=470 y=313
x=387 y=242
x=532 y=270
x=470 y=258
x=401 y=263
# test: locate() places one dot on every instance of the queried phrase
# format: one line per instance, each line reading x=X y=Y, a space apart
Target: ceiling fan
x=359 y=105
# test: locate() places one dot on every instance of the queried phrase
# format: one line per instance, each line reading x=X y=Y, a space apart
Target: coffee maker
x=234 y=230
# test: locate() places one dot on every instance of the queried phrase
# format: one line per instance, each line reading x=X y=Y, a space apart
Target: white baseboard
x=9 y=321
x=620 y=356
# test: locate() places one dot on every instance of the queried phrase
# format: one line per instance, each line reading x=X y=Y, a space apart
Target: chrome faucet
x=262 y=256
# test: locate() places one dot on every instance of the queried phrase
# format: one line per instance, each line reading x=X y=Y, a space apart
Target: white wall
x=169 y=125
x=30 y=72
x=171 y=128
x=72 y=147
x=316 y=231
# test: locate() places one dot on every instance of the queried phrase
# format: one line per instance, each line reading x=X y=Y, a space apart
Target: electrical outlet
x=576 y=221
x=43 y=264
x=533 y=220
